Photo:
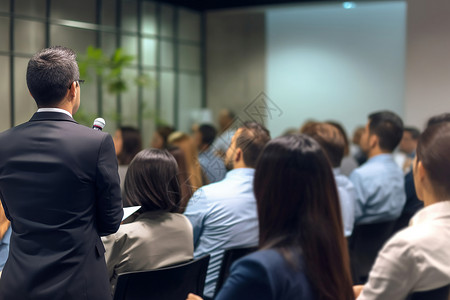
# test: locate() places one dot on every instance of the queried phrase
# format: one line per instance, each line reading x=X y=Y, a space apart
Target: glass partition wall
x=166 y=41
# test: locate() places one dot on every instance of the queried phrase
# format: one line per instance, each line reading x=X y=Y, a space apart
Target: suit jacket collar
x=51 y=116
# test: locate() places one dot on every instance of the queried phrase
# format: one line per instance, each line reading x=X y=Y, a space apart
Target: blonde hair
x=186 y=144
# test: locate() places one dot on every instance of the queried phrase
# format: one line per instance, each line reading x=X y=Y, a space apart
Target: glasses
x=80 y=81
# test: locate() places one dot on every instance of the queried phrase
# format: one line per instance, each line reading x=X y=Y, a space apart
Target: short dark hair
x=298 y=209
x=131 y=144
x=415 y=133
x=50 y=73
x=330 y=139
x=445 y=117
x=388 y=127
x=432 y=151
x=251 y=140
x=208 y=133
x=151 y=181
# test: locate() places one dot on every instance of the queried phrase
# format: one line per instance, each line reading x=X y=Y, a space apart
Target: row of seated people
x=286 y=196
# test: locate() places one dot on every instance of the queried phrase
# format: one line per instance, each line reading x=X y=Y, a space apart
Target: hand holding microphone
x=99 y=124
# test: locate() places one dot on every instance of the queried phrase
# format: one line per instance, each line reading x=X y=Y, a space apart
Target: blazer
x=266 y=275
x=60 y=189
x=155 y=239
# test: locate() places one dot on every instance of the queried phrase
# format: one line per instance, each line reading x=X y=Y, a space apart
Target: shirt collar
x=381 y=157
x=241 y=172
x=54 y=109
x=431 y=212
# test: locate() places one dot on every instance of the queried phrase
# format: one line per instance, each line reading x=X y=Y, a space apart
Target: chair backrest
x=170 y=283
x=229 y=257
x=441 y=293
x=365 y=243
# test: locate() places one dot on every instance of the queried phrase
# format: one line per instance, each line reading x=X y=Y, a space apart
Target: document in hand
x=128 y=211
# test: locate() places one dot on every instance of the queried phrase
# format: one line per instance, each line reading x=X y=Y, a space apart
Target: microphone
x=99 y=124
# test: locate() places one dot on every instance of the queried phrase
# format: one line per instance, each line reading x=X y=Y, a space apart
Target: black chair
x=170 y=283
x=365 y=243
x=229 y=257
x=441 y=293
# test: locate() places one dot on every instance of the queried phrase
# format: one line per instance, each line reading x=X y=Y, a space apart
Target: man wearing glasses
x=60 y=189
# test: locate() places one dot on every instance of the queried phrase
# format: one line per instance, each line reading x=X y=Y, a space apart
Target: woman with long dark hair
x=159 y=235
x=303 y=253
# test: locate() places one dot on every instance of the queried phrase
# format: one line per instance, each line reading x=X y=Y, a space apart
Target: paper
x=128 y=211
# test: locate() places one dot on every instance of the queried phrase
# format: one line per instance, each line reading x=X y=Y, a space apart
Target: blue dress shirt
x=223 y=215
x=4 y=248
x=266 y=275
x=212 y=166
x=380 y=190
x=347 y=199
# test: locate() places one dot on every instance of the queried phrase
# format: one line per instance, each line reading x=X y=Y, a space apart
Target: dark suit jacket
x=60 y=189
x=266 y=275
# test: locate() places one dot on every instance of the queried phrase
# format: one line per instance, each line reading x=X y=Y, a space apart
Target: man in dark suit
x=59 y=187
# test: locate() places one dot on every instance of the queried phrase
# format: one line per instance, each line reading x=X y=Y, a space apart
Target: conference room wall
x=166 y=40
x=325 y=62
x=427 y=87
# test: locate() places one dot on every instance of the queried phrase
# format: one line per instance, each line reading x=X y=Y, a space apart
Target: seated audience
x=223 y=214
x=413 y=204
x=416 y=258
x=379 y=182
x=407 y=148
x=185 y=142
x=355 y=147
x=348 y=163
x=303 y=253
x=212 y=165
x=127 y=141
x=183 y=177
x=160 y=136
x=158 y=236
x=333 y=143
x=223 y=141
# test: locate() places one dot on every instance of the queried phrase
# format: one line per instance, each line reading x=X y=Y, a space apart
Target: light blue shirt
x=380 y=190
x=347 y=199
x=223 y=215
x=212 y=166
x=4 y=248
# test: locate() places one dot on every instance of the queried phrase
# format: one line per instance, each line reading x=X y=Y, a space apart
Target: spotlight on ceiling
x=348 y=5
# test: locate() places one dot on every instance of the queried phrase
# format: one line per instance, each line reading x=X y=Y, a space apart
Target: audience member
x=355 y=147
x=183 y=141
x=160 y=137
x=379 y=182
x=159 y=236
x=407 y=148
x=413 y=204
x=212 y=165
x=290 y=131
x=223 y=141
x=127 y=142
x=183 y=177
x=303 y=254
x=333 y=143
x=5 y=236
x=223 y=214
x=416 y=258
x=348 y=163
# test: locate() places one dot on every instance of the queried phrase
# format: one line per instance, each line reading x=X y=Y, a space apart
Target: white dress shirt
x=54 y=109
x=415 y=259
